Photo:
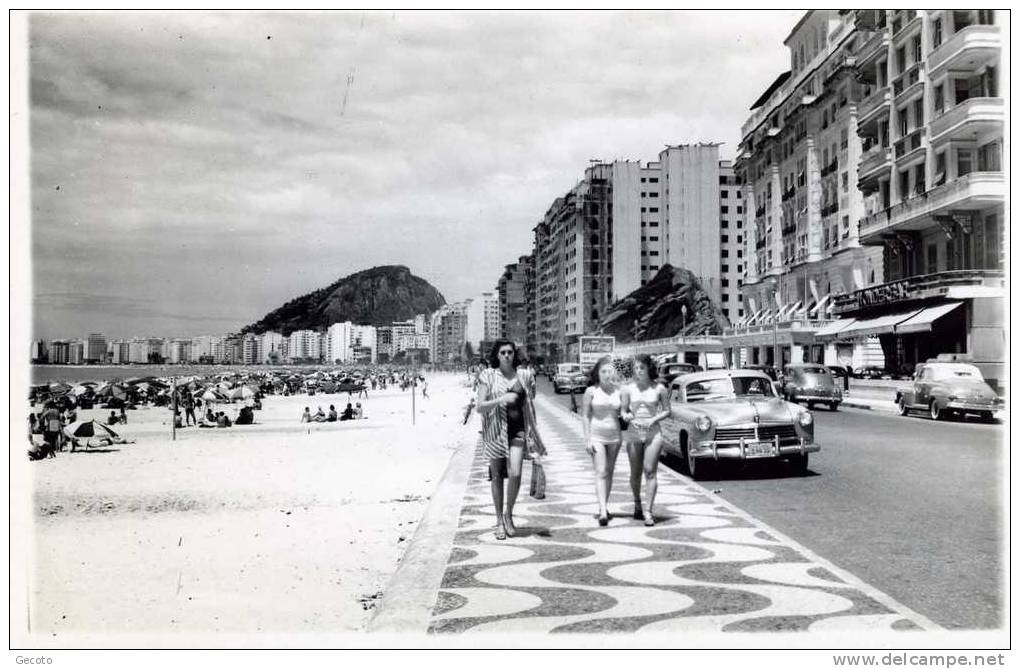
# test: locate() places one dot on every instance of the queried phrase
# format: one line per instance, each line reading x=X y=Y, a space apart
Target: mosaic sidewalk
x=704 y=566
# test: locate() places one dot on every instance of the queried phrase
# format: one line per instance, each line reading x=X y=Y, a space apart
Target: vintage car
x=943 y=389
x=569 y=377
x=671 y=370
x=813 y=384
x=766 y=369
x=734 y=415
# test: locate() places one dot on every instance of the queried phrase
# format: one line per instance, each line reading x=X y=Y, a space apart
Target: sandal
x=604 y=519
x=500 y=532
x=649 y=518
x=638 y=514
x=509 y=528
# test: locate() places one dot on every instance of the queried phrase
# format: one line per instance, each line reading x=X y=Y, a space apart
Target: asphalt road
x=911 y=506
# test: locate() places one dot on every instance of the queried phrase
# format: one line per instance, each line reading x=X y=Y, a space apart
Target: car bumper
x=568 y=385
x=808 y=395
x=738 y=450
x=971 y=406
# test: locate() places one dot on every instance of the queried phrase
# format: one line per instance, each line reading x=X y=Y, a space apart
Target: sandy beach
x=277 y=527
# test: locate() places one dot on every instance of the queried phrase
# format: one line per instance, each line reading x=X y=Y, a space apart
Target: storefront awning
x=876 y=326
x=834 y=328
x=923 y=321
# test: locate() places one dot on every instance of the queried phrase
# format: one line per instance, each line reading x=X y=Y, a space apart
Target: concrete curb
x=410 y=595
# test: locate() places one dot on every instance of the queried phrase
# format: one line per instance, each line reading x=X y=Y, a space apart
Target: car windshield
x=569 y=369
x=814 y=370
x=725 y=388
x=952 y=372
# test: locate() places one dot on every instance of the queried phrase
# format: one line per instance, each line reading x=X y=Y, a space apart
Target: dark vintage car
x=569 y=377
x=871 y=372
x=766 y=369
x=734 y=415
x=812 y=384
x=944 y=389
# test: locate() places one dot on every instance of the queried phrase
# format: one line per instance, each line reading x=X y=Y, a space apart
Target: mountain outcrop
x=376 y=296
x=654 y=311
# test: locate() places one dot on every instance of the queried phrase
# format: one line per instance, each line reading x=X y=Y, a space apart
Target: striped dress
x=494 y=439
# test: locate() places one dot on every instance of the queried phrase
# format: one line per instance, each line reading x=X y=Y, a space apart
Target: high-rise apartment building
x=59 y=353
x=448 y=333
x=95 y=348
x=76 y=352
x=271 y=348
x=305 y=346
x=931 y=122
x=513 y=324
x=250 y=348
x=798 y=164
x=615 y=230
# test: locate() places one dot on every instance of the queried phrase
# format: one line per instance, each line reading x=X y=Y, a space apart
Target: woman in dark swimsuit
x=501 y=400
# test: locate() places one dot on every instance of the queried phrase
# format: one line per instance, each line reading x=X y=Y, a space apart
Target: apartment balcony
x=976 y=117
x=905 y=147
x=875 y=162
x=830 y=168
x=969 y=49
x=977 y=190
x=909 y=82
x=904 y=24
x=876 y=45
x=789 y=195
x=874 y=107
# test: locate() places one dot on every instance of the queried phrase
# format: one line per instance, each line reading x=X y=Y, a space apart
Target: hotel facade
x=874 y=166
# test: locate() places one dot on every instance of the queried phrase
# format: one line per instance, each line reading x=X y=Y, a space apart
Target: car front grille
x=761 y=433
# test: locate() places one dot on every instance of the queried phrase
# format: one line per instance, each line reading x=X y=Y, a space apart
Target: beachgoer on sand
x=306 y=417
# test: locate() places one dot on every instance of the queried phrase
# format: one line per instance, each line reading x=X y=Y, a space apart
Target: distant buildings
x=95 y=348
x=305 y=346
x=448 y=331
x=612 y=232
x=513 y=312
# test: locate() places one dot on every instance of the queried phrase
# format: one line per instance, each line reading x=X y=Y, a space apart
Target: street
x=908 y=505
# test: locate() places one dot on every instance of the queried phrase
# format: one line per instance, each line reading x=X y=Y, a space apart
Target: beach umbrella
x=143 y=387
x=84 y=429
x=212 y=396
x=58 y=387
x=79 y=390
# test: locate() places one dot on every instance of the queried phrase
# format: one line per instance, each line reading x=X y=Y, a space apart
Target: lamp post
x=683 y=326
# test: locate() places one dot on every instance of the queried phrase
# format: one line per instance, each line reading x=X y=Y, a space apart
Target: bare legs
x=644 y=460
x=505 y=524
x=604 y=460
x=513 y=484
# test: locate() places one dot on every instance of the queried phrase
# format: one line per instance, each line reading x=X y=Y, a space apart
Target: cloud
x=213 y=153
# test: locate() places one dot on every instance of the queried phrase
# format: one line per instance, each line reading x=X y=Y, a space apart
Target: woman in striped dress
x=503 y=398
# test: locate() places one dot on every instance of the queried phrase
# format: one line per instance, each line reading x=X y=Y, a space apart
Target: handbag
x=624 y=424
x=537 y=480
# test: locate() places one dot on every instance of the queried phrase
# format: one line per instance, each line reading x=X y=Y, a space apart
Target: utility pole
x=414 y=384
x=173 y=407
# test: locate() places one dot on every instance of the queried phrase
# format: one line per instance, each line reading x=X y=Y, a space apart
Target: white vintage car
x=735 y=414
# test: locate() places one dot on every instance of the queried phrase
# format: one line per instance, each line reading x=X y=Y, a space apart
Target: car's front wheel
x=902 y=403
x=833 y=406
x=935 y=412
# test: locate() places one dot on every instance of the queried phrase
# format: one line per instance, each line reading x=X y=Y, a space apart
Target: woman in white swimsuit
x=644 y=403
x=601 y=420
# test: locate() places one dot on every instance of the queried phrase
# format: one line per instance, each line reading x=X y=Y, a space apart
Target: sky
x=192 y=171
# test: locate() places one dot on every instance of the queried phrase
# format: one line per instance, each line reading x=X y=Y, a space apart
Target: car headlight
x=703 y=423
x=805 y=418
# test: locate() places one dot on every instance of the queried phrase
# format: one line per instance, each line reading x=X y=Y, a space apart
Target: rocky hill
x=376 y=296
x=653 y=311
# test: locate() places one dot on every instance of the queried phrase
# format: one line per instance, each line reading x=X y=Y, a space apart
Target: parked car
x=766 y=369
x=945 y=389
x=569 y=377
x=672 y=370
x=735 y=415
x=804 y=382
x=870 y=372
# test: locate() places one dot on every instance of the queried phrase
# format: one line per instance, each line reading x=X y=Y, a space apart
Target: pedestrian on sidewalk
x=644 y=403
x=600 y=417
x=501 y=399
